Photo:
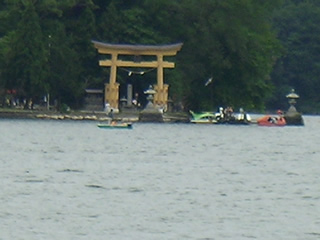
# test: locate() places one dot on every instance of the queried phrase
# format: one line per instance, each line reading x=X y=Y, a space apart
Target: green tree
x=126 y=22
x=231 y=41
x=299 y=68
x=25 y=54
x=80 y=29
x=47 y=56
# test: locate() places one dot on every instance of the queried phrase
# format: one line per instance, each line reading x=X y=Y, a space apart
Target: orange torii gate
x=115 y=50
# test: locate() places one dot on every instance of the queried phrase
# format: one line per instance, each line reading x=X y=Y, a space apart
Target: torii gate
x=112 y=88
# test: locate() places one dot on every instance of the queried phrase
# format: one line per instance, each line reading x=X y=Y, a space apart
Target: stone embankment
x=84 y=115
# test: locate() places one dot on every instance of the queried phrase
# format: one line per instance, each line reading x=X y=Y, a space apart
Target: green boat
x=203 y=118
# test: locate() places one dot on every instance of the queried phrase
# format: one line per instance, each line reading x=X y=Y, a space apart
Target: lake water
x=72 y=180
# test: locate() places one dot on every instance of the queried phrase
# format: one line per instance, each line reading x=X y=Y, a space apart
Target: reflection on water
x=72 y=180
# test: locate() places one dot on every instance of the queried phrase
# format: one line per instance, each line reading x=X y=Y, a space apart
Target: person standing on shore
x=110 y=114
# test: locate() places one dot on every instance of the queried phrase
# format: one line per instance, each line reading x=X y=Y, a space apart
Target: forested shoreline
x=255 y=51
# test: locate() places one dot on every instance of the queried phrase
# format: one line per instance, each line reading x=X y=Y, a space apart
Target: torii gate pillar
x=112 y=88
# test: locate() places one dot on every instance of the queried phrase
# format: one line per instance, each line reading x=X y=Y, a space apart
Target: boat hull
x=269 y=121
x=115 y=126
x=203 y=121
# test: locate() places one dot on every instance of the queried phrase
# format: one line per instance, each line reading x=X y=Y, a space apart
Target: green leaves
x=229 y=40
x=45 y=46
x=25 y=55
x=299 y=68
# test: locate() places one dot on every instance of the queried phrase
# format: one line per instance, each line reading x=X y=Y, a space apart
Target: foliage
x=299 y=68
x=231 y=41
x=45 y=47
x=25 y=51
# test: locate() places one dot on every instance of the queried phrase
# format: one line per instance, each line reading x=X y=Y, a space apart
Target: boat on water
x=227 y=116
x=223 y=116
x=115 y=125
x=272 y=121
x=203 y=117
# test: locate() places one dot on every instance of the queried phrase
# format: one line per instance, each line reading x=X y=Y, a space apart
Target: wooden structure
x=93 y=99
x=116 y=50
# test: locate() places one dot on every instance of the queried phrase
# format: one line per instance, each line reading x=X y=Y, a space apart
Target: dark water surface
x=72 y=180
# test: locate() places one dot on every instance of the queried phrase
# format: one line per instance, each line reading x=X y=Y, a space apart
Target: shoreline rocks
x=86 y=116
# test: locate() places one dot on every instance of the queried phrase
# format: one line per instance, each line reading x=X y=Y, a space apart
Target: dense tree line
x=296 y=23
x=254 y=50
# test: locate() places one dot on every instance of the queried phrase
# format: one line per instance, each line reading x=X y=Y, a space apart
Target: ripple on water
x=159 y=181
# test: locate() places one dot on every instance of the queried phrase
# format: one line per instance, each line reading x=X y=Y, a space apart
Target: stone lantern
x=150 y=92
x=150 y=113
x=292 y=99
x=293 y=117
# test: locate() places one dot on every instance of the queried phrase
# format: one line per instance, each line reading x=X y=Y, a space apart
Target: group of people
x=280 y=117
x=227 y=115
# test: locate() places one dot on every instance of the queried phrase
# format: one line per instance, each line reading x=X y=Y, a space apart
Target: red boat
x=270 y=121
